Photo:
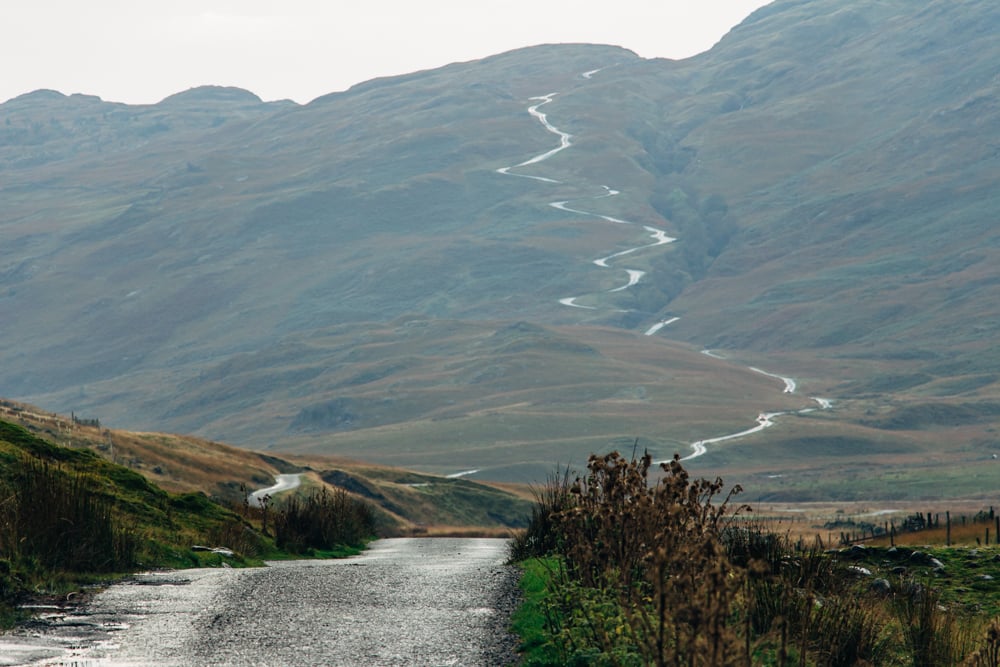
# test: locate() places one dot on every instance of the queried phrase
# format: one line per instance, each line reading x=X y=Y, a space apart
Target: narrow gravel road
x=428 y=601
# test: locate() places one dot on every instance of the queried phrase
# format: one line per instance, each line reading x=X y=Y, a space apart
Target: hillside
x=84 y=504
x=406 y=501
x=456 y=270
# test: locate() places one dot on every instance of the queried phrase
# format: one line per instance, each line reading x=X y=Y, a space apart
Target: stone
x=880 y=586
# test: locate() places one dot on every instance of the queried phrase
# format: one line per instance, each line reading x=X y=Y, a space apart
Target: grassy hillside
x=405 y=501
x=353 y=276
x=84 y=504
x=165 y=521
x=69 y=516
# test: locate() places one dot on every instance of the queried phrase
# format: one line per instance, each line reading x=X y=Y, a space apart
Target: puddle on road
x=57 y=640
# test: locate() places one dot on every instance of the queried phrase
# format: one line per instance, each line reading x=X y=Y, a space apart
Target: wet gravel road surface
x=408 y=601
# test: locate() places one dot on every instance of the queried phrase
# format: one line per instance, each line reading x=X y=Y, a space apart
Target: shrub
x=645 y=573
x=646 y=577
x=323 y=520
x=539 y=538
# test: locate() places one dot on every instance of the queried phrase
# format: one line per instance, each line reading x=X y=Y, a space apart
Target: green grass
x=72 y=519
x=530 y=620
x=976 y=476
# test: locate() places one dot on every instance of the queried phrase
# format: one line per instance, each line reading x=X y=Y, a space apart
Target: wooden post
x=947 y=538
x=892 y=535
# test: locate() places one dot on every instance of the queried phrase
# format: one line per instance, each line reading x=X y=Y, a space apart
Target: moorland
x=355 y=277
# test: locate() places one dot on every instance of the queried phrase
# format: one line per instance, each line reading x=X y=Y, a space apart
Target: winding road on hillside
x=407 y=601
x=565 y=141
x=281 y=483
x=764 y=419
x=660 y=237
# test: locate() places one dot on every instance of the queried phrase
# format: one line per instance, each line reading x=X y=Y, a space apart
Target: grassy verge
x=529 y=622
x=70 y=520
x=618 y=571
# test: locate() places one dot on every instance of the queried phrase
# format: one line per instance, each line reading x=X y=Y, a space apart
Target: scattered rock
x=921 y=558
x=880 y=586
x=897 y=553
x=857 y=551
x=222 y=551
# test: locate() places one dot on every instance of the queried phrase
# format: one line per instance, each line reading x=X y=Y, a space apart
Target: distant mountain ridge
x=234 y=268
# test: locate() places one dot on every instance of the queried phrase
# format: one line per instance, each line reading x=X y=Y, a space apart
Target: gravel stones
x=407 y=601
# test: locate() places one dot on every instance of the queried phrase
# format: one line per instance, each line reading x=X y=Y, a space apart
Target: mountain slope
x=814 y=195
x=863 y=174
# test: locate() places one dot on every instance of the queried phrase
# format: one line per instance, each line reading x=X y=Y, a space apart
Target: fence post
x=947 y=518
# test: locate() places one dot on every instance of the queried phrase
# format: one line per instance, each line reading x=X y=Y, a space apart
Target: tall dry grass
x=58 y=520
x=323 y=520
x=671 y=572
x=551 y=499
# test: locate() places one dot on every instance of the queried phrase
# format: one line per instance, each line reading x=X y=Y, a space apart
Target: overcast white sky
x=140 y=51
